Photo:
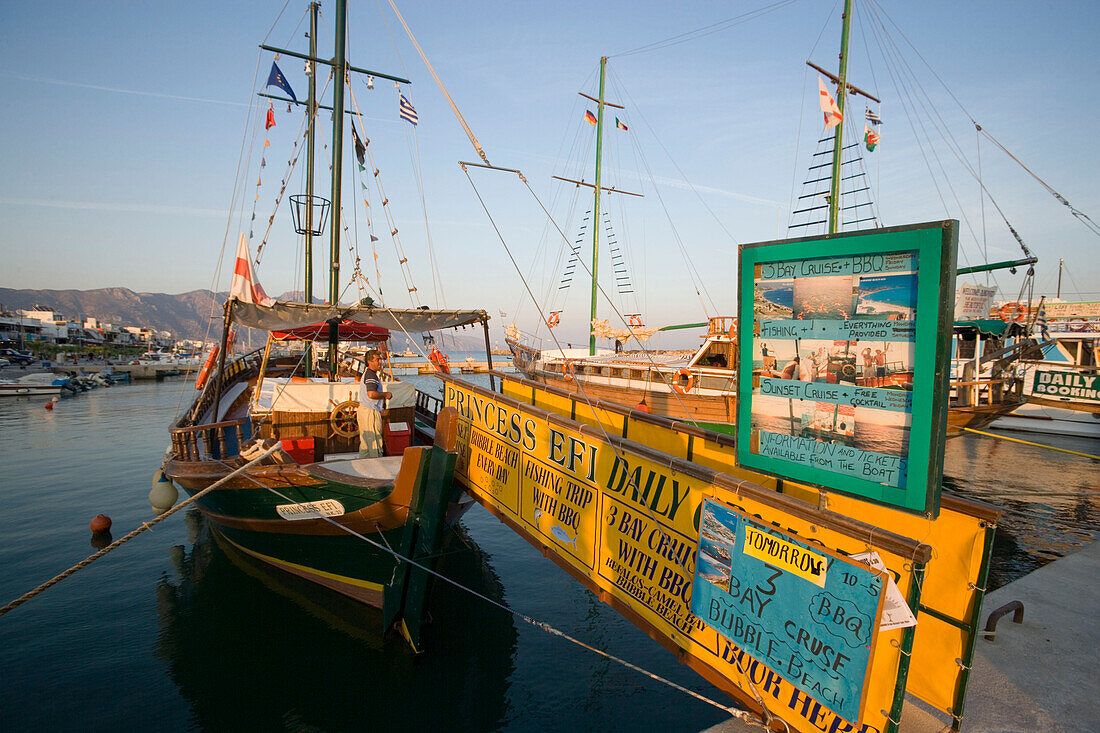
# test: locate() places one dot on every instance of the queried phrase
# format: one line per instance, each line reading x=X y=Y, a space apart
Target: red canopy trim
x=349 y=331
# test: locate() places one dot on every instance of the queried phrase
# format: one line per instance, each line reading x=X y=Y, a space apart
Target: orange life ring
x=689 y=381
x=207 y=367
x=1013 y=312
x=554 y=319
x=636 y=322
x=439 y=360
x=567 y=371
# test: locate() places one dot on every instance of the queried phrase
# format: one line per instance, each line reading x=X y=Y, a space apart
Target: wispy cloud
x=136 y=92
x=101 y=206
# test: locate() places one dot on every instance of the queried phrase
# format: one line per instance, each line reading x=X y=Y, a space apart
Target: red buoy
x=101 y=523
x=642 y=407
x=49 y=405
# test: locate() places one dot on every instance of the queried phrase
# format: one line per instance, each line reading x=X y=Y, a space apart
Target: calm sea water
x=170 y=632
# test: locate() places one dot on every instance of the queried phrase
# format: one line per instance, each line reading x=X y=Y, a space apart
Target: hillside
x=185 y=315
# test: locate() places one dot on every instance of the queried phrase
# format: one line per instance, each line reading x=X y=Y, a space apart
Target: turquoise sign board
x=807 y=613
x=847 y=340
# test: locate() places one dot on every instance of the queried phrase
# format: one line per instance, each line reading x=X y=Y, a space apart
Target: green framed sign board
x=847 y=339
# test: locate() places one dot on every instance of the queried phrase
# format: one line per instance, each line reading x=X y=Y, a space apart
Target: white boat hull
x=22 y=389
x=1033 y=418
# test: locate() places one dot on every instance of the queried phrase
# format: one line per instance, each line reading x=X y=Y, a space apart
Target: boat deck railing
x=233 y=371
x=985 y=391
x=212 y=440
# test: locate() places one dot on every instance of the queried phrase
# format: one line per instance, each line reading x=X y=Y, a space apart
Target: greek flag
x=873 y=117
x=408 y=113
x=1041 y=322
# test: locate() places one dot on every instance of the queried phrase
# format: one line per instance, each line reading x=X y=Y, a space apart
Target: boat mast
x=596 y=210
x=339 y=65
x=311 y=113
x=841 y=93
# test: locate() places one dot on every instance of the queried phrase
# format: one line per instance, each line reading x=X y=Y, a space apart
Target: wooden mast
x=311 y=113
x=339 y=63
x=596 y=211
x=841 y=94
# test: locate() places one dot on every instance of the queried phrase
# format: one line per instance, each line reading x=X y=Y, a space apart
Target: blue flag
x=276 y=79
x=407 y=112
x=873 y=117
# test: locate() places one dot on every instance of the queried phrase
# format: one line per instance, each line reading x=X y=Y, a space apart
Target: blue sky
x=124 y=124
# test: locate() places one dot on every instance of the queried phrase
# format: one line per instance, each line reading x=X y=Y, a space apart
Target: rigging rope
x=704 y=30
x=580 y=383
x=145 y=526
x=439 y=82
x=733 y=711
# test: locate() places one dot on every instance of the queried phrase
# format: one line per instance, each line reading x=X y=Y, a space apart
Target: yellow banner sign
x=625 y=522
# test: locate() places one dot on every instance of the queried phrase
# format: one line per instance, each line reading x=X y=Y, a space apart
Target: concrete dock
x=1040 y=675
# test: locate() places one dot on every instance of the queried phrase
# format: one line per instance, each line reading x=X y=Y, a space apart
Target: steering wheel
x=343 y=419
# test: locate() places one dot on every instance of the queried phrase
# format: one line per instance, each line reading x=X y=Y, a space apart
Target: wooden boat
x=269 y=446
x=701 y=386
x=307 y=508
x=1061 y=377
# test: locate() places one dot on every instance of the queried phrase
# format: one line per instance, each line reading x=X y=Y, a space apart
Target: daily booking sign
x=802 y=611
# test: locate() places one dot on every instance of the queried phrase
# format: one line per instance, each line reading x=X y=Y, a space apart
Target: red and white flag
x=828 y=106
x=244 y=286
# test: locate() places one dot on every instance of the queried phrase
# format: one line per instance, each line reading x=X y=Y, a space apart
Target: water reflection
x=1050 y=500
x=253 y=648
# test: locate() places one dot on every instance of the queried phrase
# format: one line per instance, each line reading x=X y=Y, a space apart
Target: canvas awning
x=283 y=316
x=349 y=331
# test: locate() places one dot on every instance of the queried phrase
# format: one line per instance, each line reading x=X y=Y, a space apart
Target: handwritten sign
x=803 y=611
x=848 y=390
x=627 y=524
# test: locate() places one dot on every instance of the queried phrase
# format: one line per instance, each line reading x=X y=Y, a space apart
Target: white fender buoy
x=163 y=495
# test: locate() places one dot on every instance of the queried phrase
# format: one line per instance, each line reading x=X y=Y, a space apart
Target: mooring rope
x=732 y=711
x=1037 y=445
x=144 y=526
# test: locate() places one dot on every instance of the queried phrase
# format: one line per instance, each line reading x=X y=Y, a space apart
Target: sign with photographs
x=848 y=384
x=809 y=614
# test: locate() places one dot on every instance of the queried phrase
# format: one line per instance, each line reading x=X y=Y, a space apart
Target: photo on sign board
x=773 y=298
x=831 y=297
x=719 y=525
x=882 y=431
x=714 y=563
x=771 y=356
x=887 y=297
x=828 y=422
x=778 y=415
x=886 y=364
x=827 y=360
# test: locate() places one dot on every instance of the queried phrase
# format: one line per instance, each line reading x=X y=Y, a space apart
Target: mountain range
x=193 y=315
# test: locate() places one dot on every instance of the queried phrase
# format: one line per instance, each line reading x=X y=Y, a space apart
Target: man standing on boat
x=371 y=400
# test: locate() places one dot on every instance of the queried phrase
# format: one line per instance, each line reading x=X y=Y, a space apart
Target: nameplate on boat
x=804 y=612
x=311 y=509
x=841 y=385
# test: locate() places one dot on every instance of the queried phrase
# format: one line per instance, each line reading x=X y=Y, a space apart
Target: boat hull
x=251 y=511
x=1040 y=418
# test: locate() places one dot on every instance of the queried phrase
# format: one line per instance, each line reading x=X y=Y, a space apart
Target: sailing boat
x=698 y=386
x=701 y=386
x=1061 y=375
x=268 y=446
